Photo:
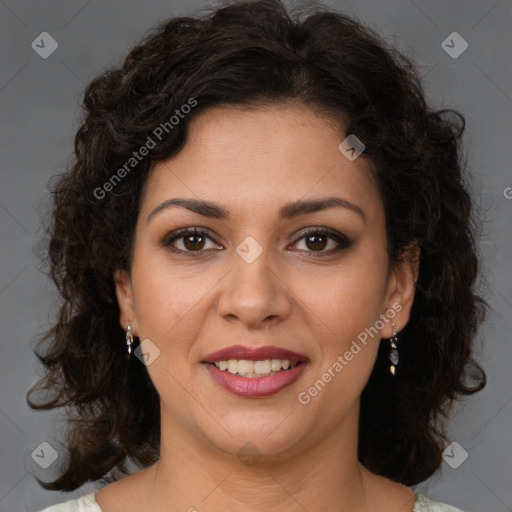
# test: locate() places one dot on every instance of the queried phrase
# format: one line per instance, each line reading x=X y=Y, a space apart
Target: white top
x=88 y=503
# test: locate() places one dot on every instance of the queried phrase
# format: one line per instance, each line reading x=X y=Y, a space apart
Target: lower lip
x=255 y=387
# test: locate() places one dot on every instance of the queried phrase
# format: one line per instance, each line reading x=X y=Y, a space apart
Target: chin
x=257 y=438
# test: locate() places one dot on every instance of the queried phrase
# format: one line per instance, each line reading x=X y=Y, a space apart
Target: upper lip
x=253 y=354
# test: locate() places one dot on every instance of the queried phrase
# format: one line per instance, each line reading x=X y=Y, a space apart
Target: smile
x=253 y=369
x=254 y=372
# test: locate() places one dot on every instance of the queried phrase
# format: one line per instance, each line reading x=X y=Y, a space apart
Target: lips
x=254 y=354
x=255 y=387
x=259 y=387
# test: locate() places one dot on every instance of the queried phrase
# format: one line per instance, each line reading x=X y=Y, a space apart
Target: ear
x=402 y=288
x=124 y=293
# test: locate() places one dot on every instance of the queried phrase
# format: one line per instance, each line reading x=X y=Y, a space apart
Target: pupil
x=316 y=245
x=193 y=244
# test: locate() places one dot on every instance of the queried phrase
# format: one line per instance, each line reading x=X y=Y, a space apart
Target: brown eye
x=316 y=242
x=191 y=241
x=194 y=242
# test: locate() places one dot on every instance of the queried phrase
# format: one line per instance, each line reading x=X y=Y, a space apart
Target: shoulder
x=85 y=503
x=424 y=504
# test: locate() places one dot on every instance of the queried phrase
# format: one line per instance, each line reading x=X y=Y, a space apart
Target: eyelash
x=342 y=240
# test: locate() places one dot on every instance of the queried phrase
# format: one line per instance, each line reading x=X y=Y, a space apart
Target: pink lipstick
x=290 y=365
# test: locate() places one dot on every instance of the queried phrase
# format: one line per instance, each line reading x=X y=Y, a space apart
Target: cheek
x=167 y=310
x=165 y=300
x=342 y=311
x=346 y=297
x=341 y=306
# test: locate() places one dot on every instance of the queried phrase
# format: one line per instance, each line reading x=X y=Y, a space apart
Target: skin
x=251 y=163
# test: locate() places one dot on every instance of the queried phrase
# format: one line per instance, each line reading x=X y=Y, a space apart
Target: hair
x=254 y=54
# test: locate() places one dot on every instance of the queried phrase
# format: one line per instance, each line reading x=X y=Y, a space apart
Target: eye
x=189 y=240
x=194 y=240
x=316 y=240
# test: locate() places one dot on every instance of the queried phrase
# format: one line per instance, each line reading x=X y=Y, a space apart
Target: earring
x=393 y=351
x=129 y=341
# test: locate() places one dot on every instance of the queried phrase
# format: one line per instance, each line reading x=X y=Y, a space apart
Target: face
x=262 y=270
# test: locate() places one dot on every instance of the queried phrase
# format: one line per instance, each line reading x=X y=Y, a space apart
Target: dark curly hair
x=254 y=54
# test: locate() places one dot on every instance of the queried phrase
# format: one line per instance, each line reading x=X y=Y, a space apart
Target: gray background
x=39 y=106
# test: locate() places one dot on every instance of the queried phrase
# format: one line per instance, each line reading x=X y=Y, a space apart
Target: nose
x=255 y=293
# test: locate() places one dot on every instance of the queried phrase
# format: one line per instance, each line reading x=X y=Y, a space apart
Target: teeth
x=276 y=364
x=246 y=368
x=261 y=366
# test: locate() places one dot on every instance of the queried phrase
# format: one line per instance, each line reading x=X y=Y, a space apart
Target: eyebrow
x=288 y=211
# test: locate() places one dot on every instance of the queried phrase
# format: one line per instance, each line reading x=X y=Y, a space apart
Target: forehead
x=260 y=158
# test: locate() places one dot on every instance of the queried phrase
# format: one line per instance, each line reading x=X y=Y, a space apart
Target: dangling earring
x=393 y=351
x=129 y=341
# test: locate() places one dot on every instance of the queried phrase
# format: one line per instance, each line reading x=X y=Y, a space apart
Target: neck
x=194 y=475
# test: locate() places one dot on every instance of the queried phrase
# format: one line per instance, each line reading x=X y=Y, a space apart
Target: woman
x=266 y=256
